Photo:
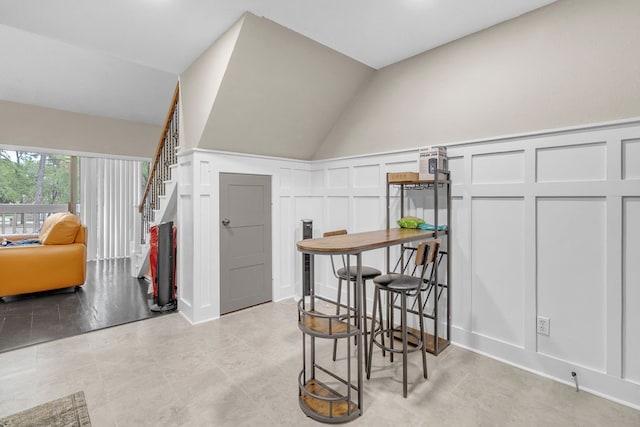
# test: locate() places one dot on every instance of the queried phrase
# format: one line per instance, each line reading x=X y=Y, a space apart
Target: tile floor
x=110 y=296
x=242 y=370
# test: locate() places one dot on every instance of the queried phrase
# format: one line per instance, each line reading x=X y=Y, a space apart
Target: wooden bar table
x=333 y=410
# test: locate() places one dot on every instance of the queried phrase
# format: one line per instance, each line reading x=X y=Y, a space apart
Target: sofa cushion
x=48 y=223
x=60 y=229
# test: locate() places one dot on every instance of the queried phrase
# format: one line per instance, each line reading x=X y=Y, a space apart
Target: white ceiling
x=121 y=58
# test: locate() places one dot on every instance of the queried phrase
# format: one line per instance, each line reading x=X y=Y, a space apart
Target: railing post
x=26 y=218
x=73 y=190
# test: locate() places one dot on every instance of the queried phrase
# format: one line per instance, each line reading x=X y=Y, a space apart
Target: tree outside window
x=34 y=178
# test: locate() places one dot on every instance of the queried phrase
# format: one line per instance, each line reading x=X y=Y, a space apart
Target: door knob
x=225 y=222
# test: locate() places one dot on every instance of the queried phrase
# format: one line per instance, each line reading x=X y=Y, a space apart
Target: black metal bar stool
x=341 y=274
x=402 y=286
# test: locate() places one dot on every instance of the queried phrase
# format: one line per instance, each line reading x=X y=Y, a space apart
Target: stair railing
x=159 y=170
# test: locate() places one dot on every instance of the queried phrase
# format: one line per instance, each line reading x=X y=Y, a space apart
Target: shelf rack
x=434 y=342
x=327 y=393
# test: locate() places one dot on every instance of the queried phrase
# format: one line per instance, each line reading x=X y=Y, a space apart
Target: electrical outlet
x=542 y=326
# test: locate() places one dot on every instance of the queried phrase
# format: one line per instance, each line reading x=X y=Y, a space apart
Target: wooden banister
x=163 y=137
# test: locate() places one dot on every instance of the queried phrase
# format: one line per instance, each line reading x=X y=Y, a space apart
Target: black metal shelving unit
x=435 y=343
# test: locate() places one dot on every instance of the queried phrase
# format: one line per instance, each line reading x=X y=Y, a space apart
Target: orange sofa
x=58 y=261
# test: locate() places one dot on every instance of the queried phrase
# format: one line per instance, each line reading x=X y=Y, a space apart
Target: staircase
x=159 y=202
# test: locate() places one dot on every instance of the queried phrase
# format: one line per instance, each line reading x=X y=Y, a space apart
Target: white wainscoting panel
x=497 y=264
x=631 y=289
x=456 y=168
x=394 y=206
x=206 y=240
x=537 y=221
x=288 y=230
x=579 y=247
x=584 y=162
x=498 y=168
x=366 y=214
x=208 y=294
x=286 y=180
x=366 y=176
x=338 y=177
x=185 y=236
x=198 y=222
x=300 y=179
x=186 y=229
x=309 y=208
x=461 y=265
x=317 y=179
x=204 y=178
x=631 y=159
x=571 y=283
x=337 y=213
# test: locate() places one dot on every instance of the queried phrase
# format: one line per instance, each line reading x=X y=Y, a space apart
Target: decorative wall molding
x=542 y=224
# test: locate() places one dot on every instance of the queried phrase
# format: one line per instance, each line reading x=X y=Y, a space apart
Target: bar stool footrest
x=322 y=403
x=412 y=339
x=427 y=339
x=322 y=325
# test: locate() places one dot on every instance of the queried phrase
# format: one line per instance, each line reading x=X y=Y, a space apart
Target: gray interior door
x=245 y=241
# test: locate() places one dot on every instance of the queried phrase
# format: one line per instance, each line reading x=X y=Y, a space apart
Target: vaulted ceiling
x=121 y=58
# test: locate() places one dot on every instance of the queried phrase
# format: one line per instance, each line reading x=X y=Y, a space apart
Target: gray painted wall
x=275 y=92
x=570 y=63
x=46 y=128
x=281 y=93
x=200 y=83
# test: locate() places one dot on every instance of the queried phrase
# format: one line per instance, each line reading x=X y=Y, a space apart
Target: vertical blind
x=110 y=190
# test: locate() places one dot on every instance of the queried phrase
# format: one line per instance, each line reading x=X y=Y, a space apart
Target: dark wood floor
x=109 y=297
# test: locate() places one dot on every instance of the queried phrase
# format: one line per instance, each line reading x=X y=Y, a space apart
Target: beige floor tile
x=17 y=361
x=150 y=404
x=242 y=369
x=100 y=414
